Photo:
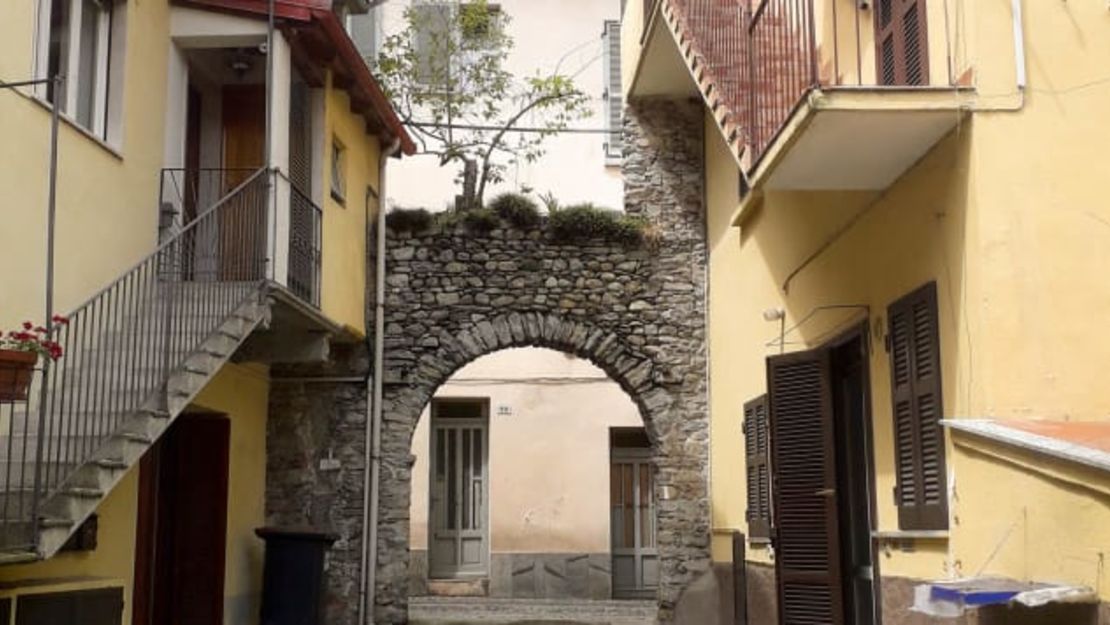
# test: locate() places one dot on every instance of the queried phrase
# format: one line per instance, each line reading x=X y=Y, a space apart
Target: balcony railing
x=306 y=221
x=764 y=56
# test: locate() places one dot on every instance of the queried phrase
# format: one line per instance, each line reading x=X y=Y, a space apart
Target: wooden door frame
x=862 y=331
x=636 y=456
x=484 y=402
x=145 y=588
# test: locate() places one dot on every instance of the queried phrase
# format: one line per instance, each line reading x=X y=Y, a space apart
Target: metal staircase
x=135 y=355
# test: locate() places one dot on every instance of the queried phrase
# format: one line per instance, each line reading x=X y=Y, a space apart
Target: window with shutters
x=611 y=57
x=914 y=344
x=757 y=454
x=901 y=43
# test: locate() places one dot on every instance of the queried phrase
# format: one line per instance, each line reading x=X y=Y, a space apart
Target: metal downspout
x=373 y=446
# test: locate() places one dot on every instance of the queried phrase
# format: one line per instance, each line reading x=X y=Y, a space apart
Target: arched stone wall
x=454 y=295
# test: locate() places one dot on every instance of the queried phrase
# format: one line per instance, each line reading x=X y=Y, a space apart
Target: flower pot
x=16 y=369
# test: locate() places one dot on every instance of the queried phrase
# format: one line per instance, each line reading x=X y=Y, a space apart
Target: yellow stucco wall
x=107 y=201
x=906 y=237
x=111 y=564
x=1008 y=215
x=241 y=392
x=345 y=234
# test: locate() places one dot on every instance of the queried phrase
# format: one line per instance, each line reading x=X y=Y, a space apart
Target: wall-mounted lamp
x=777 y=314
x=774 y=314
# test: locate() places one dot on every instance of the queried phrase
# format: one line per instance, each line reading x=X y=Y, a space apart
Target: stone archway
x=454 y=295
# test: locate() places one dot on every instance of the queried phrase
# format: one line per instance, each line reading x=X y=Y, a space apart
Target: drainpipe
x=373 y=445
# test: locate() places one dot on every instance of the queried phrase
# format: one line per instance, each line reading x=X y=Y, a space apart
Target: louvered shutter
x=901 y=43
x=300 y=136
x=611 y=64
x=757 y=455
x=807 y=548
x=914 y=345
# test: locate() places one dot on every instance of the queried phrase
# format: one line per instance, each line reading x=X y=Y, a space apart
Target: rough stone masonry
x=454 y=295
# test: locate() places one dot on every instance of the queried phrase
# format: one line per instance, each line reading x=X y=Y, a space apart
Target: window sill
x=339 y=199
x=910 y=535
x=72 y=123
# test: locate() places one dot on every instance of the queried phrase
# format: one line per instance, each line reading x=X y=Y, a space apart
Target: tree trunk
x=469 y=198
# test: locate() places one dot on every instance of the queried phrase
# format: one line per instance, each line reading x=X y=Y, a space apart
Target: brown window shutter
x=807 y=548
x=901 y=43
x=914 y=336
x=756 y=441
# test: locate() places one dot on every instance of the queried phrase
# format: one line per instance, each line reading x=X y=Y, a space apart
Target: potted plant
x=20 y=351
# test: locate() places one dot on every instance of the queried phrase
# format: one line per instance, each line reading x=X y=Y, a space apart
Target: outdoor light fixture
x=779 y=315
x=774 y=314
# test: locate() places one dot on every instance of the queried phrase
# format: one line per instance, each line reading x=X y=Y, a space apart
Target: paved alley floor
x=480 y=610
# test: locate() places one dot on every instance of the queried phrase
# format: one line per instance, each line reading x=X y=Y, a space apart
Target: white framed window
x=82 y=41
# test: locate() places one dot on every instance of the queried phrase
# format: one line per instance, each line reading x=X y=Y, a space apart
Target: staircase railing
x=185 y=192
x=121 y=346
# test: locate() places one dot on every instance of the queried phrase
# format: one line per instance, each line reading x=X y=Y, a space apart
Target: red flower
x=60 y=320
x=27 y=325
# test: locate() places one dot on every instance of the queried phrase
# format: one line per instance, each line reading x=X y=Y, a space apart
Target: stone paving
x=475 y=611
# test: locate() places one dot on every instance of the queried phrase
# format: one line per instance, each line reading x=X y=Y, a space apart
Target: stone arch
x=454 y=295
x=630 y=370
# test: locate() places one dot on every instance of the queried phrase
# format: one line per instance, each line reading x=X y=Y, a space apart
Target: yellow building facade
x=980 y=177
x=165 y=156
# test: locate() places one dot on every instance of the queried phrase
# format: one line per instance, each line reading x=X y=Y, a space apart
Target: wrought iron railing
x=764 y=56
x=185 y=193
x=121 y=346
x=306 y=236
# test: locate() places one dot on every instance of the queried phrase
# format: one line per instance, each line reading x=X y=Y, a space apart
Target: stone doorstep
x=466 y=611
x=478 y=587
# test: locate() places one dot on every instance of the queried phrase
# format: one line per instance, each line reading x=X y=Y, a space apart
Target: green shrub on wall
x=572 y=224
x=480 y=220
x=410 y=219
x=586 y=221
x=517 y=209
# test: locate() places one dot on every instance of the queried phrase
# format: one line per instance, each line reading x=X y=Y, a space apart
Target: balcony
x=814 y=94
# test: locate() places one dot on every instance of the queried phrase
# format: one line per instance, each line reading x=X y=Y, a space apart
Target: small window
x=80 y=40
x=338 y=171
x=757 y=453
x=913 y=340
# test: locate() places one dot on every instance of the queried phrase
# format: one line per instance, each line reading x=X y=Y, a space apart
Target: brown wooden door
x=243 y=222
x=901 y=43
x=807 y=537
x=192 y=155
x=182 y=534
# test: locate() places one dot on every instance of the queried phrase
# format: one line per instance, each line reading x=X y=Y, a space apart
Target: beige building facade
x=550 y=425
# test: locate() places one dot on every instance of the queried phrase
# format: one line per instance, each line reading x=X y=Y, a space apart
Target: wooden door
x=632 y=523
x=458 y=511
x=192 y=180
x=901 y=43
x=182 y=533
x=243 y=222
x=807 y=547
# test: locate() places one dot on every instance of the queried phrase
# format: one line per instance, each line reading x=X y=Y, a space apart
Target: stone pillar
x=664 y=182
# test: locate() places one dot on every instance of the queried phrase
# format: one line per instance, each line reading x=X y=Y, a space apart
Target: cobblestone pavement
x=475 y=611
